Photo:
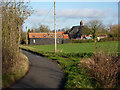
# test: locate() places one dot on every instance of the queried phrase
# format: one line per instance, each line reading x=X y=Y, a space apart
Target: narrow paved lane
x=43 y=73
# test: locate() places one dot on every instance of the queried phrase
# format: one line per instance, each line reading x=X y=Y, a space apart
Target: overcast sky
x=69 y=14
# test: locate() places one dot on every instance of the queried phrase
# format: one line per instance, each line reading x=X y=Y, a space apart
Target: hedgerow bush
x=108 y=39
x=106 y=69
x=90 y=40
x=80 y=55
x=82 y=41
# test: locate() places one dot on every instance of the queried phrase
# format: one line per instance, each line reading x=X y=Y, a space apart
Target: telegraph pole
x=55 y=25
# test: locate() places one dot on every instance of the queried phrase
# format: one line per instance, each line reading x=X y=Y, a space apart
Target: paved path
x=43 y=73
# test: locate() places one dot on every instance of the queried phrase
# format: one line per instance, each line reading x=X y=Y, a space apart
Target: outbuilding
x=47 y=38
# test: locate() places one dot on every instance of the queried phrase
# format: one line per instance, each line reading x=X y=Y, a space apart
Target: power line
x=47 y=14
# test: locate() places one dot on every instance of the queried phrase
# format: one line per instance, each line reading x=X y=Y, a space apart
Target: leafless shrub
x=106 y=69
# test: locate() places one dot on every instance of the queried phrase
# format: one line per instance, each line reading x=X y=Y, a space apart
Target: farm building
x=47 y=38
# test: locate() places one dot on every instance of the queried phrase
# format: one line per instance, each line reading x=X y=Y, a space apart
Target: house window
x=33 y=35
x=51 y=35
x=44 y=35
x=59 y=35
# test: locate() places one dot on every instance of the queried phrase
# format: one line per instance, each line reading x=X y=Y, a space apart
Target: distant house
x=75 y=30
x=47 y=38
x=101 y=36
x=75 y=33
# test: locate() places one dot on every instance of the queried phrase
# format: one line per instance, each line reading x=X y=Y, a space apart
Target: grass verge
x=14 y=73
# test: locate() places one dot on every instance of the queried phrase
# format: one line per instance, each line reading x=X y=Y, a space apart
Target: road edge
x=25 y=73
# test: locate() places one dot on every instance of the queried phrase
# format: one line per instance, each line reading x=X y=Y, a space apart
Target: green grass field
x=80 y=47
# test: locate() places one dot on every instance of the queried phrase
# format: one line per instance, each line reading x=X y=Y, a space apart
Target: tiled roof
x=48 y=35
x=65 y=36
x=61 y=32
x=90 y=35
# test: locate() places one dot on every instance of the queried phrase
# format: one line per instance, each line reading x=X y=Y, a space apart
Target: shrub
x=90 y=40
x=106 y=69
x=103 y=40
x=80 y=55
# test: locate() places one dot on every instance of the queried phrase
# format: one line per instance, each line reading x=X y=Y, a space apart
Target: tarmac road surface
x=43 y=73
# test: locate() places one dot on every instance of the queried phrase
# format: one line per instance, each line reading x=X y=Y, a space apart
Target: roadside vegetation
x=84 y=69
x=105 y=68
x=16 y=70
x=14 y=63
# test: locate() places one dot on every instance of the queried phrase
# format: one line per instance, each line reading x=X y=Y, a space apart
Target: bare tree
x=95 y=26
x=42 y=28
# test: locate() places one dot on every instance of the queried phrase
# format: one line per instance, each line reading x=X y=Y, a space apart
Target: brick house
x=47 y=38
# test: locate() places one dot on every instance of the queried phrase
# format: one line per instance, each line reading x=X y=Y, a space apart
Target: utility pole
x=55 y=25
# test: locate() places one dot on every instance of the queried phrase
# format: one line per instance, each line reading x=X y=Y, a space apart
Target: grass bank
x=15 y=72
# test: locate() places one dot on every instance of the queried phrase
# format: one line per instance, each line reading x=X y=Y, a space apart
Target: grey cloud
x=86 y=13
x=75 y=13
x=39 y=20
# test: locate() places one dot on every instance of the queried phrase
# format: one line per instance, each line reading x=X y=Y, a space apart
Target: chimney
x=81 y=23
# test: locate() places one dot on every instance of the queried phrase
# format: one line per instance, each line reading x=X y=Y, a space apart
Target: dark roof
x=75 y=27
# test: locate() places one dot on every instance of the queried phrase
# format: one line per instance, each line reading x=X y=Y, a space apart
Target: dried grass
x=105 y=68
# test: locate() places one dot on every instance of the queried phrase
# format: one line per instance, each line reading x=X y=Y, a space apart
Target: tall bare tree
x=42 y=28
x=95 y=26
